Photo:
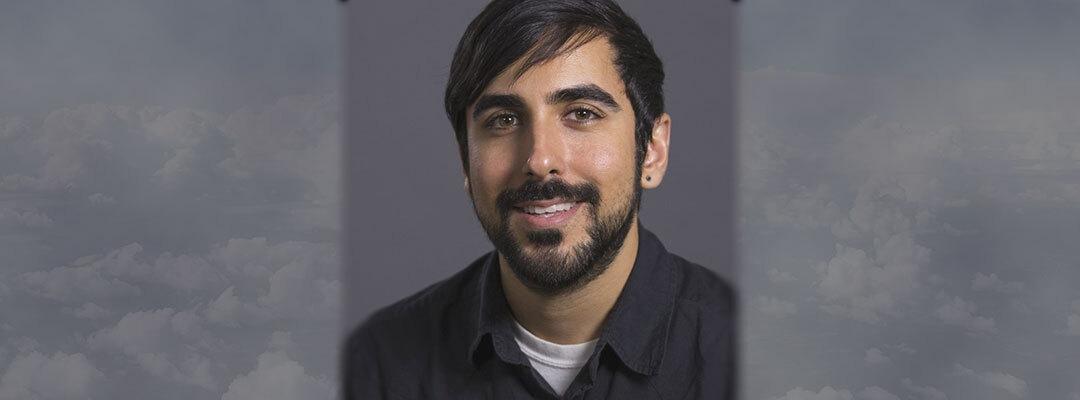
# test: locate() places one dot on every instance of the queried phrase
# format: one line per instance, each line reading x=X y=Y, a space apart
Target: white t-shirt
x=557 y=363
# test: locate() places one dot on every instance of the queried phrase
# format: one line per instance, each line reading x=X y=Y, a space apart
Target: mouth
x=546 y=214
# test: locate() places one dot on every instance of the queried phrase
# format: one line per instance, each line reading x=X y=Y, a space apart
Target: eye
x=583 y=115
x=503 y=121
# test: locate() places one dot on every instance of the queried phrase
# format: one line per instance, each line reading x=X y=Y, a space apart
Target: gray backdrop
x=409 y=222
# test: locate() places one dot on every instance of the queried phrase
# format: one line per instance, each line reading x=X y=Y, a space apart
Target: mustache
x=536 y=191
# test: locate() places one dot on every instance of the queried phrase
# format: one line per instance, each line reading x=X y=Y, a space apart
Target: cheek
x=607 y=164
x=488 y=174
x=599 y=158
x=612 y=154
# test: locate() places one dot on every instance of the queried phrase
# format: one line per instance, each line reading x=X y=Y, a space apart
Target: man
x=558 y=111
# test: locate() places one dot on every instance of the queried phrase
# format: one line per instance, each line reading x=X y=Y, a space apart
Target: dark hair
x=507 y=30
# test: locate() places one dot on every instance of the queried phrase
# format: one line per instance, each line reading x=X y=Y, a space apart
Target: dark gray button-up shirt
x=670 y=335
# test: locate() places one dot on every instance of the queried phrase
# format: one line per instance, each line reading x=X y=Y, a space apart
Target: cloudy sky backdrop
x=911 y=199
x=910 y=187
x=168 y=199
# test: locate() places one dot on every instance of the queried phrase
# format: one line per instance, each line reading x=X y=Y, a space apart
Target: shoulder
x=705 y=316
x=384 y=354
x=419 y=316
x=422 y=307
x=702 y=288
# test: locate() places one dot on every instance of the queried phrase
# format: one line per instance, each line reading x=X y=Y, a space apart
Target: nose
x=545 y=152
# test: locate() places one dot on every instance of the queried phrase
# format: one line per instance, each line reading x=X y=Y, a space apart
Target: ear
x=656 y=153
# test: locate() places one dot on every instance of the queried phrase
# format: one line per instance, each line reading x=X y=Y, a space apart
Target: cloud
x=164 y=343
x=286 y=151
x=761 y=156
x=299 y=291
x=276 y=376
x=802 y=208
x=284 y=280
x=877 y=266
x=863 y=288
x=1033 y=193
x=846 y=278
x=81 y=147
x=1072 y=325
x=881 y=145
x=225 y=309
x=289 y=280
x=1000 y=380
x=183 y=128
x=879 y=210
x=844 y=275
x=195 y=146
x=137 y=332
x=300 y=280
x=77 y=283
x=38 y=376
x=258 y=258
x=876 y=393
x=30 y=218
x=778 y=276
x=924 y=392
x=1044 y=137
x=826 y=393
x=13 y=128
x=1072 y=321
x=775 y=307
x=903 y=348
x=289 y=137
x=187 y=273
x=25 y=344
x=281 y=341
x=991 y=282
x=116 y=274
x=101 y=199
x=184 y=272
x=296 y=138
x=191 y=369
x=959 y=312
x=875 y=356
x=89 y=311
x=228 y=310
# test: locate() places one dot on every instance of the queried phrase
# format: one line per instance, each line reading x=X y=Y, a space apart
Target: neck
x=577 y=316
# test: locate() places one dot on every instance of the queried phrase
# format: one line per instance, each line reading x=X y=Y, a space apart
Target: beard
x=548 y=270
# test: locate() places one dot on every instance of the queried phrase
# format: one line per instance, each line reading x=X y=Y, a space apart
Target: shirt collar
x=494 y=321
x=636 y=328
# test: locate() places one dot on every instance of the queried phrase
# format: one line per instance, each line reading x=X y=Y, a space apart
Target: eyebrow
x=589 y=91
x=489 y=101
x=583 y=92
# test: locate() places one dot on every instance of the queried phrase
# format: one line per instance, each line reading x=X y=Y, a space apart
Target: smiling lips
x=546 y=214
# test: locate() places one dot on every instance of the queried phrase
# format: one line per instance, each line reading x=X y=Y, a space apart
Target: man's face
x=552 y=171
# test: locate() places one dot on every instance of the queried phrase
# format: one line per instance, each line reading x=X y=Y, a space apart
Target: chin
x=567 y=238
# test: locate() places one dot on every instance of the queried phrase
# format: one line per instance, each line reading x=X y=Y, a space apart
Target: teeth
x=549 y=209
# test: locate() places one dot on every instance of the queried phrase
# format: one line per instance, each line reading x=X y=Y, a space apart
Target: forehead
x=589 y=63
